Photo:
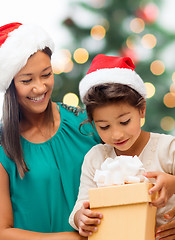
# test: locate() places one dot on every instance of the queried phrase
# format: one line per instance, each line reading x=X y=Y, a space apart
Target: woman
x=41 y=148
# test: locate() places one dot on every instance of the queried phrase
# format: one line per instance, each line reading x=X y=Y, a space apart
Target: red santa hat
x=17 y=43
x=110 y=69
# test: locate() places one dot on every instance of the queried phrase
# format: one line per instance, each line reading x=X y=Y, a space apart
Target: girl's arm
x=165 y=186
x=7 y=232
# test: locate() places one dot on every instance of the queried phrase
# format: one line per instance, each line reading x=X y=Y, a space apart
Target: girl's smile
x=121 y=143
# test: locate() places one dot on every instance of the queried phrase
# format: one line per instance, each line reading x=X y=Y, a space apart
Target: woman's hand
x=165 y=186
x=167 y=231
x=87 y=220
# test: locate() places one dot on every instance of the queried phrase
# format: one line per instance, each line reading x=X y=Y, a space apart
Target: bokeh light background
x=139 y=43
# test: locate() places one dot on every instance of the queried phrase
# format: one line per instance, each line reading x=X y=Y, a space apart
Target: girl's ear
x=143 y=110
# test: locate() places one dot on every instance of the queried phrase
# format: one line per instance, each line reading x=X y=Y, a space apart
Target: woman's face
x=34 y=83
x=118 y=125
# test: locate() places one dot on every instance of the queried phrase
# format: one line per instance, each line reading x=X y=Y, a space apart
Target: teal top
x=43 y=200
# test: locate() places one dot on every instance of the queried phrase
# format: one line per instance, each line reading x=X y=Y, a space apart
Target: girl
x=114 y=96
x=41 y=149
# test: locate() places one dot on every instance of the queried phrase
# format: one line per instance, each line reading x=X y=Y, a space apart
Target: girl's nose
x=117 y=134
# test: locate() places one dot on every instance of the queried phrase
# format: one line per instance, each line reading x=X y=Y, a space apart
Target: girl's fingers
x=88 y=228
x=153 y=174
x=162 y=199
x=92 y=214
x=86 y=205
x=89 y=213
x=90 y=221
x=156 y=188
x=84 y=233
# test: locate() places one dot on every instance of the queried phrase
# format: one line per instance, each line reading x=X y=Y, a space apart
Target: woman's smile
x=38 y=99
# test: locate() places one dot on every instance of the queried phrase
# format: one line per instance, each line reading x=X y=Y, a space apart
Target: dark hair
x=104 y=94
x=11 y=118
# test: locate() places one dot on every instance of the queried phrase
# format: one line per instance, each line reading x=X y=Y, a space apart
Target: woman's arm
x=7 y=232
x=167 y=231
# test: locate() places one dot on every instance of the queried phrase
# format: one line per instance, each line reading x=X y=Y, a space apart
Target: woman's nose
x=39 y=86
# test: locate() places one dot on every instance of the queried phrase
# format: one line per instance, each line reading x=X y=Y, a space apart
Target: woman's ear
x=143 y=110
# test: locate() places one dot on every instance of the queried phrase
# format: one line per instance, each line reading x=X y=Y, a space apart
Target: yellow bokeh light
x=130 y=42
x=98 y=32
x=173 y=77
x=167 y=123
x=169 y=100
x=142 y=121
x=150 y=89
x=149 y=41
x=137 y=25
x=71 y=99
x=157 y=67
x=81 y=55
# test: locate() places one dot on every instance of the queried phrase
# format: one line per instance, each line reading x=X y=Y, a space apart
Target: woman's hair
x=11 y=118
x=104 y=94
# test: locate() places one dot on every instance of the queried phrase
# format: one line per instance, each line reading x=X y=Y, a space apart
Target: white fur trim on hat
x=112 y=75
x=18 y=47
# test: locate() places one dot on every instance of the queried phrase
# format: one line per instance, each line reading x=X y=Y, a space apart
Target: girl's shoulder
x=161 y=143
x=104 y=150
x=161 y=137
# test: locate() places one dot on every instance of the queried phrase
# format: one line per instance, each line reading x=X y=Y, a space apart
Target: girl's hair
x=11 y=118
x=104 y=94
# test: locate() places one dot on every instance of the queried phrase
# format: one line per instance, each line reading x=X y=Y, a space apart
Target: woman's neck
x=38 y=128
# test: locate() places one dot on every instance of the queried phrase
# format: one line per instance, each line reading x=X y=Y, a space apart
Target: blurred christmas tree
x=121 y=28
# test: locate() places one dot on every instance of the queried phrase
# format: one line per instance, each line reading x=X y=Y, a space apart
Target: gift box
x=127 y=214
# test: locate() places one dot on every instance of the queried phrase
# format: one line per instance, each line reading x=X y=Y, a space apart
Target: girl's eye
x=104 y=128
x=126 y=122
x=46 y=75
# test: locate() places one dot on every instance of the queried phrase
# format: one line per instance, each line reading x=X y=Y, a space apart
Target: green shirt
x=43 y=200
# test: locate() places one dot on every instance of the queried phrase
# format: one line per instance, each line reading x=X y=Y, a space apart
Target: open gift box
x=127 y=214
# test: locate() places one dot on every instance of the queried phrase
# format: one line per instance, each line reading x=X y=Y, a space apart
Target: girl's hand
x=167 y=231
x=165 y=185
x=87 y=220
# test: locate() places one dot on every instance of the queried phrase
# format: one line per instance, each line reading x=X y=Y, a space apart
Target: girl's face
x=34 y=83
x=118 y=125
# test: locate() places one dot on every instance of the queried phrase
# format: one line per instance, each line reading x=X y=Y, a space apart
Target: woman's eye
x=126 y=122
x=46 y=75
x=104 y=128
x=26 y=81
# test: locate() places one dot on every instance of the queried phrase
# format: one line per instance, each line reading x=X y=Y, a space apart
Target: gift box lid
x=120 y=195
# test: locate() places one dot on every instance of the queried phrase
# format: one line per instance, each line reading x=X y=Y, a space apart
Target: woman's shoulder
x=74 y=116
x=6 y=162
x=72 y=110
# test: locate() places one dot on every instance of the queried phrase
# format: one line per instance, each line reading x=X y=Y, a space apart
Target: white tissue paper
x=120 y=170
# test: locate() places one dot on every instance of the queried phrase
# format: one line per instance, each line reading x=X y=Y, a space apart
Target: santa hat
x=17 y=43
x=110 y=69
